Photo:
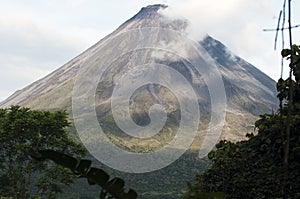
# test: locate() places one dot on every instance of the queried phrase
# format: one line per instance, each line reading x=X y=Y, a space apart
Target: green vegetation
x=267 y=164
x=167 y=183
x=23 y=130
x=122 y=140
x=113 y=188
x=48 y=130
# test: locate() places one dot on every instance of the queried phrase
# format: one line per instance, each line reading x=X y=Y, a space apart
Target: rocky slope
x=249 y=92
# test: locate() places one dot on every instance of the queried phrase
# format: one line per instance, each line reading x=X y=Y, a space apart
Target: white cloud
x=239 y=25
x=14 y=77
x=37 y=37
x=32 y=45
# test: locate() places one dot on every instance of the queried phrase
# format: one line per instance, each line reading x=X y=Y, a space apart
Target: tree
x=257 y=168
x=23 y=130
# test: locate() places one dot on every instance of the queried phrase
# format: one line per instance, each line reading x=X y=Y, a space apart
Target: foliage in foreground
x=255 y=168
x=113 y=188
x=23 y=130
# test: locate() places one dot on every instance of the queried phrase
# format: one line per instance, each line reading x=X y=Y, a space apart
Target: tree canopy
x=22 y=131
x=267 y=164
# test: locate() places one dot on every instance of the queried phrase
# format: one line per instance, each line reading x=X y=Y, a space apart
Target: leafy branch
x=113 y=188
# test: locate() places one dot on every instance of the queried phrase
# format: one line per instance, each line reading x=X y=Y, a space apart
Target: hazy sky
x=39 y=36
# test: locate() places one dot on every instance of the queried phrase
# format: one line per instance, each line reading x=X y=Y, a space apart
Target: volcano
x=249 y=91
x=147 y=40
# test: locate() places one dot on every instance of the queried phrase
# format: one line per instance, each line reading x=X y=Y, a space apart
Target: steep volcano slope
x=249 y=91
x=246 y=87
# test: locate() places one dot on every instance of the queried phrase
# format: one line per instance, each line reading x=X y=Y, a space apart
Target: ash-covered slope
x=246 y=86
x=54 y=90
x=249 y=91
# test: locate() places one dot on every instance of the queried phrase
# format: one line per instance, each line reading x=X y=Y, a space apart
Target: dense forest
x=266 y=165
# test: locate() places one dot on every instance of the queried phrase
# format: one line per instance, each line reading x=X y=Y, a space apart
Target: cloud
x=37 y=37
x=31 y=45
x=238 y=24
x=206 y=16
x=16 y=73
